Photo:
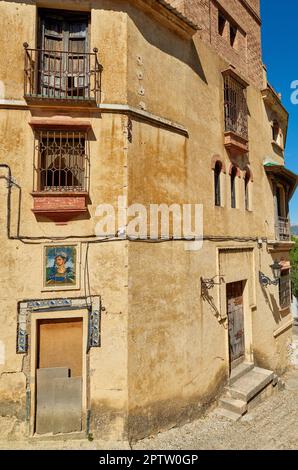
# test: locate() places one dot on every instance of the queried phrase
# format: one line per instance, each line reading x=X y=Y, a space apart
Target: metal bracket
x=266 y=281
x=210 y=283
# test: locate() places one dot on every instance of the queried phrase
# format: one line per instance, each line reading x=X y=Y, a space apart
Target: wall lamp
x=266 y=281
x=210 y=283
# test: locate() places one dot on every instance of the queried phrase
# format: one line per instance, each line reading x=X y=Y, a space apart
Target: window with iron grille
x=235 y=107
x=62 y=162
x=285 y=289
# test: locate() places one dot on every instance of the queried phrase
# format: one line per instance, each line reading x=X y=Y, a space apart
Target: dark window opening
x=280 y=202
x=285 y=289
x=275 y=131
x=233 y=34
x=233 y=187
x=246 y=188
x=221 y=23
x=217 y=173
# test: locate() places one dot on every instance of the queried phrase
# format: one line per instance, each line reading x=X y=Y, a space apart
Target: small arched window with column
x=277 y=134
x=233 y=177
x=219 y=169
x=247 y=188
x=217 y=183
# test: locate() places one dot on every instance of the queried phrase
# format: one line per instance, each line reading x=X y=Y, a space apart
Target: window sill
x=235 y=144
x=59 y=206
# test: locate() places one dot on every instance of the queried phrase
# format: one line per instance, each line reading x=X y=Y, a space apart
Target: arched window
x=233 y=187
x=277 y=134
x=275 y=130
x=281 y=201
x=217 y=188
x=246 y=189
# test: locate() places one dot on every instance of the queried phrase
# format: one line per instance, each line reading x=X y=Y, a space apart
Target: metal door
x=236 y=322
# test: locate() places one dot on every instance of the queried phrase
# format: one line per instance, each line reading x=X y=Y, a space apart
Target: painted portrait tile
x=60 y=266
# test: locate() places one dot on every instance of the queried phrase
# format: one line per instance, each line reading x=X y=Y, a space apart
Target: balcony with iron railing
x=283 y=229
x=62 y=75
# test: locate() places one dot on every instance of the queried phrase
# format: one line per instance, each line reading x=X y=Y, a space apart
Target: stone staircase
x=248 y=386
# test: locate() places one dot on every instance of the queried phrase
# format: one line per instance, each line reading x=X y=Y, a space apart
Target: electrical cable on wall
x=92 y=239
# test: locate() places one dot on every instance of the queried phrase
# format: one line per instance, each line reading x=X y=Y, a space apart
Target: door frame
x=247 y=313
x=57 y=315
x=233 y=364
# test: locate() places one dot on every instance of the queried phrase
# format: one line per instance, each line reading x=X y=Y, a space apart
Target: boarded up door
x=236 y=322
x=59 y=376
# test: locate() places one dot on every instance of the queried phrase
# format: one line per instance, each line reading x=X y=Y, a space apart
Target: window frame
x=217 y=183
x=233 y=179
x=62 y=134
x=247 y=181
x=284 y=289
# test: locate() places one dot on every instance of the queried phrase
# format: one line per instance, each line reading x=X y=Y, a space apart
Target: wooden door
x=78 y=62
x=236 y=322
x=59 y=376
x=64 y=63
x=52 y=76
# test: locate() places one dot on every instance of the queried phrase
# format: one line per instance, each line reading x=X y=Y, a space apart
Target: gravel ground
x=271 y=425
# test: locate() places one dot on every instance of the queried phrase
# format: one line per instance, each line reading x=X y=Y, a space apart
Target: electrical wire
x=93 y=239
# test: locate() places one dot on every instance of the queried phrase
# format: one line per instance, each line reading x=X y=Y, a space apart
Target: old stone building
x=156 y=102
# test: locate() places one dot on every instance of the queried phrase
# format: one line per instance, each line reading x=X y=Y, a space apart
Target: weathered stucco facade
x=154 y=135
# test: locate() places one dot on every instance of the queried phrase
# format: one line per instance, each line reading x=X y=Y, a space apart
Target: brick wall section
x=246 y=56
x=255 y=5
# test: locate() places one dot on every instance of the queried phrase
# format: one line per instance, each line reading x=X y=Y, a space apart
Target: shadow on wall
x=160 y=37
x=157 y=35
x=273 y=306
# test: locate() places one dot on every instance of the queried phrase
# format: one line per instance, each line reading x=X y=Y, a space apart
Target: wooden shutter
x=78 y=61
x=64 y=65
x=52 y=77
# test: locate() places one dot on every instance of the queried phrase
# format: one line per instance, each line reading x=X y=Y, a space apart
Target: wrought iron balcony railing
x=61 y=75
x=236 y=112
x=283 y=230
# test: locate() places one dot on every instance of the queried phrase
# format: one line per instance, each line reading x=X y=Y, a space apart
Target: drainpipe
x=8 y=205
x=10 y=183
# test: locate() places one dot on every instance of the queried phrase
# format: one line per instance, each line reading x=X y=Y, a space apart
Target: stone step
x=228 y=414
x=239 y=371
x=249 y=385
x=236 y=406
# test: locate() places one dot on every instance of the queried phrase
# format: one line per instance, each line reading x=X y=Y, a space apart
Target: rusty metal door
x=236 y=322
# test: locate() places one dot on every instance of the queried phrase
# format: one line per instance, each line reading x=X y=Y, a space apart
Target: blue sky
x=280 y=55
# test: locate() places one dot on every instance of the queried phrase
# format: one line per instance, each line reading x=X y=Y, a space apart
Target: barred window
x=285 y=289
x=235 y=107
x=62 y=162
